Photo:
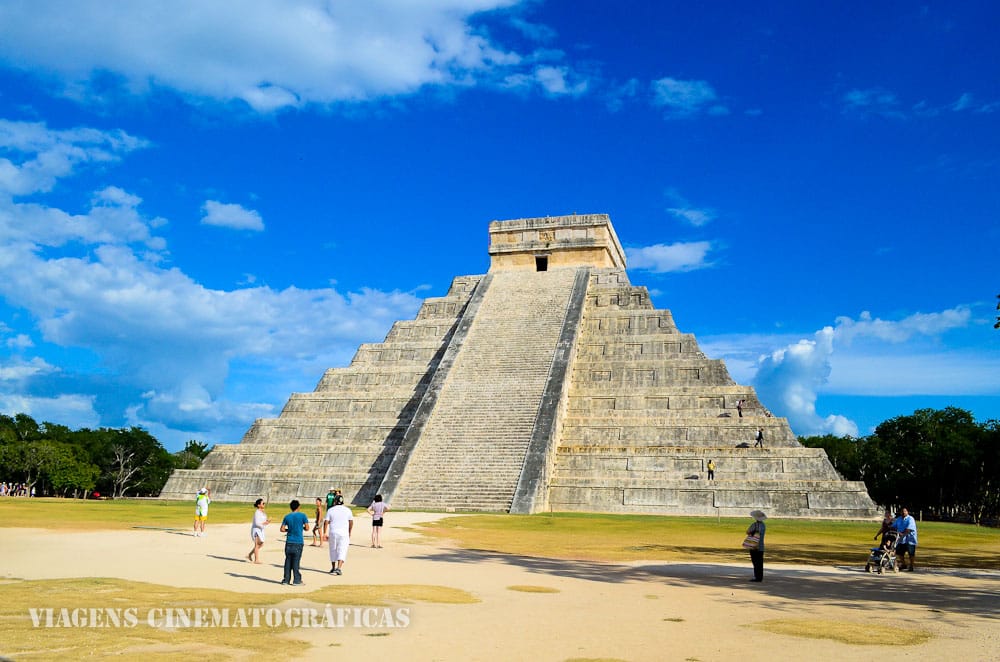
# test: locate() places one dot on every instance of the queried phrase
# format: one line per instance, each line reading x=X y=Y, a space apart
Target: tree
x=67 y=469
x=192 y=455
x=844 y=454
x=926 y=460
x=60 y=460
x=124 y=470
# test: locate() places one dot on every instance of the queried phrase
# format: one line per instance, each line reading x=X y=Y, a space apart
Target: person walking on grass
x=201 y=510
x=377 y=510
x=339 y=523
x=257 y=530
x=293 y=526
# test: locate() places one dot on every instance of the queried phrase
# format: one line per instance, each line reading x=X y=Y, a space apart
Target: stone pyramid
x=549 y=384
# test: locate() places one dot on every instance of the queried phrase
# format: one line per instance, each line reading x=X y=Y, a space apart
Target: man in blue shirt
x=907 y=544
x=292 y=526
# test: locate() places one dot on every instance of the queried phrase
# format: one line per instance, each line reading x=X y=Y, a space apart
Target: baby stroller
x=883 y=557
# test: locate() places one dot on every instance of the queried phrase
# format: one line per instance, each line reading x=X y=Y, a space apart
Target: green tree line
x=940 y=463
x=57 y=461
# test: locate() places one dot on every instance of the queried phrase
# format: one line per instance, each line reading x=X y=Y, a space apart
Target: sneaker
x=297 y=583
x=333 y=571
x=284 y=582
x=338 y=571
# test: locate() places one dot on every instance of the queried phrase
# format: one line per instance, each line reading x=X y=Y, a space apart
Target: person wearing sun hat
x=201 y=510
x=757 y=555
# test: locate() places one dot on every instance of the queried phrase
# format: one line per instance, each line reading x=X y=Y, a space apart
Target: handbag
x=752 y=541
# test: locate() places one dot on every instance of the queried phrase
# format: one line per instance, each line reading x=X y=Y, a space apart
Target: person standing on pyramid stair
x=760 y=438
x=711 y=469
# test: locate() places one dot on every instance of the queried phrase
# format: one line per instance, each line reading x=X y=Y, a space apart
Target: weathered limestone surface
x=346 y=432
x=473 y=448
x=647 y=410
x=551 y=383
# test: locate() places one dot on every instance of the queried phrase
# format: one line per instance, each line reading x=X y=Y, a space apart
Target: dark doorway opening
x=541 y=263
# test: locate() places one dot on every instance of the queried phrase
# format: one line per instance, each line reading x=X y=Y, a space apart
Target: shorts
x=906 y=548
x=377 y=522
x=201 y=518
x=257 y=534
x=339 y=542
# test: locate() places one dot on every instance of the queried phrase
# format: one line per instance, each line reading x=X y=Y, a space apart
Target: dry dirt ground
x=571 y=609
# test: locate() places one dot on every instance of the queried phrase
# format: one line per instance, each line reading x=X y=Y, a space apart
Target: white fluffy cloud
x=78 y=409
x=682 y=209
x=42 y=155
x=231 y=216
x=873 y=101
x=663 y=258
x=273 y=54
x=790 y=378
x=94 y=281
x=853 y=357
x=927 y=324
x=686 y=98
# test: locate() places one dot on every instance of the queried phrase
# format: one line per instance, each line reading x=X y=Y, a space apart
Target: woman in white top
x=257 y=530
x=377 y=510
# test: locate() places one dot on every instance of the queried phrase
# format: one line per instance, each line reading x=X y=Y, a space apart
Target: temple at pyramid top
x=553 y=242
x=550 y=383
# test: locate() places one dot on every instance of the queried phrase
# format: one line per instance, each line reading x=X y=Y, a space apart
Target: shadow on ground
x=846 y=587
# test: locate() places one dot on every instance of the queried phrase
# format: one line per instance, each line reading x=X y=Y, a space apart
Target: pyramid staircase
x=550 y=383
x=474 y=446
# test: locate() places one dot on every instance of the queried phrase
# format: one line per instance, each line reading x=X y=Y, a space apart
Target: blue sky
x=205 y=205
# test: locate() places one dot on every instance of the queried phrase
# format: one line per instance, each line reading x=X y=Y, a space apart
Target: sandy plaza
x=539 y=608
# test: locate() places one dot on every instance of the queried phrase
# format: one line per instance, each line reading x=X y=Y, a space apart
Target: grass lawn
x=582 y=536
x=22 y=640
x=600 y=537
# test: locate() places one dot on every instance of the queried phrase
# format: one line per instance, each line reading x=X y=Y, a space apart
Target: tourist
x=257 y=530
x=907 y=544
x=757 y=555
x=884 y=529
x=339 y=523
x=201 y=510
x=760 y=438
x=377 y=510
x=318 y=524
x=330 y=496
x=739 y=407
x=711 y=469
x=293 y=526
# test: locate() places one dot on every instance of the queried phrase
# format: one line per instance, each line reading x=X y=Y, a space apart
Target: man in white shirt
x=338 y=524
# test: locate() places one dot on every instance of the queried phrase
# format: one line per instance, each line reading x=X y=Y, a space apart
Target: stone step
x=493 y=390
